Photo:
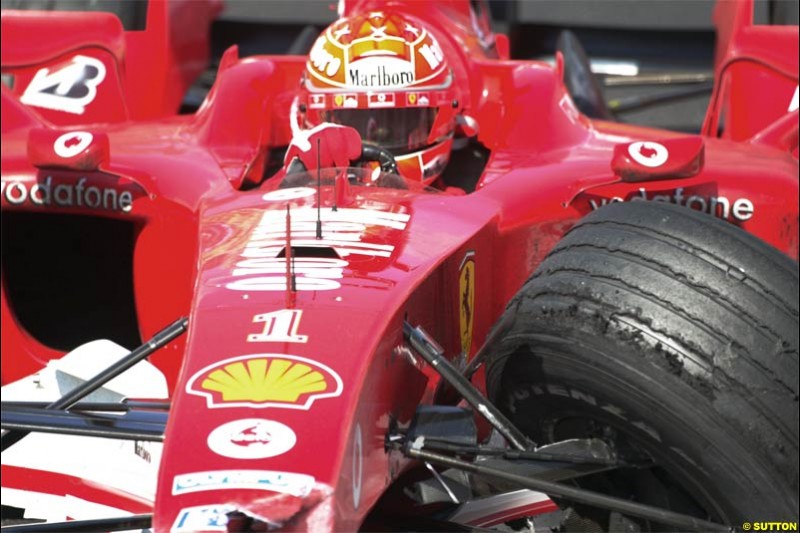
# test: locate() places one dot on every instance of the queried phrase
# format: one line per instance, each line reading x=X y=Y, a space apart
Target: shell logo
x=265 y=380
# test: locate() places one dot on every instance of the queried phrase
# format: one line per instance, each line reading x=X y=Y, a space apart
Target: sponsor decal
x=281 y=195
x=141 y=449
x=323 y=60
x=70 y=88
x=72 y=143
x=344 y=230
x=378 y=72
x=358 y=466
x=648 y=154
x=346 y=100
x=251 y=438
x=417 y=99
x=316 y=101
x=741 y=209
x=466 y=299
x=78 y=194
x=279 y=326
x=380 y=100
x=203 y=518
x=265 y=380
x=283 y=482
x=432 y=54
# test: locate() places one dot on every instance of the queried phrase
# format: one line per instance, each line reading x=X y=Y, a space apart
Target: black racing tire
x=672 y=334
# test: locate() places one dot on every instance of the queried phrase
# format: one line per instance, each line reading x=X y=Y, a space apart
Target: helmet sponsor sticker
x=251 y=438
x=72 y=143
x=418 y=99
x=346 y=100
x=283 y=482
x=380 y=72
x=265 y=380
x=380 y=100
x=323 y=60
x=649 y=154
x=316 y=101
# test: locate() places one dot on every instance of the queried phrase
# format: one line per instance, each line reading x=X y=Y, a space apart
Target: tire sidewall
x=617 y=377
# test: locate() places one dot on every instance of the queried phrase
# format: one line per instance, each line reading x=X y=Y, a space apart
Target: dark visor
x=399 y=130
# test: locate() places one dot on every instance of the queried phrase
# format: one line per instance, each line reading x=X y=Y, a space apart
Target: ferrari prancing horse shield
x=466 y=300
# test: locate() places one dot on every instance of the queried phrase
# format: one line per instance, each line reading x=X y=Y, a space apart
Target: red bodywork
x=144 y=73
x=207 y=246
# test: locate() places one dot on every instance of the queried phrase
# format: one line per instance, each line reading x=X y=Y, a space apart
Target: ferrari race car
x=401 y=284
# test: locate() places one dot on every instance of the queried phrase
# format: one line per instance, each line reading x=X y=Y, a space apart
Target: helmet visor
x=399 y=130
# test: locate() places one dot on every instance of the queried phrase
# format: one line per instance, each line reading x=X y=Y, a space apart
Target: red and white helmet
x=385 y=75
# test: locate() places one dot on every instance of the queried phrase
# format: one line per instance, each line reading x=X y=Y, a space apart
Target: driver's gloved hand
x=338 y=145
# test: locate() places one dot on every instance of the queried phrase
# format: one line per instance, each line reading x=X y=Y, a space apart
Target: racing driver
x=383 y=75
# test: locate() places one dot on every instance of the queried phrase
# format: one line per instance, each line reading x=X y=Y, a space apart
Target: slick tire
x=672 y=333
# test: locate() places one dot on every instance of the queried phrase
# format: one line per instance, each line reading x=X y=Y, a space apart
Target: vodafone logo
x=72 y=143
x=648 y=154
x=252 y=438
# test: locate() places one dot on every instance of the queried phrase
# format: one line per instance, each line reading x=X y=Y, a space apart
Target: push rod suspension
x=160 y=339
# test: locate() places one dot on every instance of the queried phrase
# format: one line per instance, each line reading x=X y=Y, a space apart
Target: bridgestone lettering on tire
x=677 y=330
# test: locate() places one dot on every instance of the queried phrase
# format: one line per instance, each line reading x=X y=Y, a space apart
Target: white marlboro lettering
x=343 y=230
x=78 y=194
x=741 y=209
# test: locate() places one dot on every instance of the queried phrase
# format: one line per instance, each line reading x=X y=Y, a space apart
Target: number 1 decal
x=279 y=326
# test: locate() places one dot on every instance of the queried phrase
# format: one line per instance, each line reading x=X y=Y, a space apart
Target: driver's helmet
x=385 y=75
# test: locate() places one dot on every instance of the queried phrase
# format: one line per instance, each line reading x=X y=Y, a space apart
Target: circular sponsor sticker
x=289 y=194
x=72 y=143
x=252 y=438
x=648 y=153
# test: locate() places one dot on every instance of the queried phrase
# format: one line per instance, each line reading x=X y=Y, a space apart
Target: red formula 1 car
x=582 y=325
